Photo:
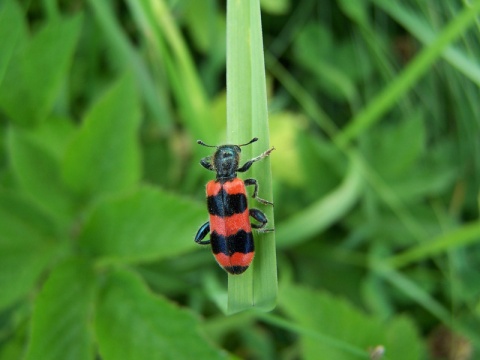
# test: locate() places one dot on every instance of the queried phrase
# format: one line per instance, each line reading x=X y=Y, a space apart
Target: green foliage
x=323 y=212
x=275 y=6
x=372 y=107
x=144 y=234
x=37 y=70
x=37 y=172
x=328 y=62
x=157 y=328
x=27 y=246
x=247 y=117
x=12 y=33
x=106 y=146
x=61 y=319
x=336 y=319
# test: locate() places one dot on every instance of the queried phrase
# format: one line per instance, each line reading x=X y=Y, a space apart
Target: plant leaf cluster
x=373 y=111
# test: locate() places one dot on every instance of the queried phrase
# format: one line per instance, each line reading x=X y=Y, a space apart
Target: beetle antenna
x=200 y=142
x=251 y=141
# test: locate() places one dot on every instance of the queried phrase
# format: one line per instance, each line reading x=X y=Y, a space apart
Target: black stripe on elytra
x=224 y=204
x=241 y=242
x=235 y=270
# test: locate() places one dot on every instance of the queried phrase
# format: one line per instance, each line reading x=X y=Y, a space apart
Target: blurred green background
x=374 y=112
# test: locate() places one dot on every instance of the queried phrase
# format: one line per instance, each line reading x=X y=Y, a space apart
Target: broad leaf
x=37 y=71
x=53 y=135
x=131 y=323
x=148 y=224
x=61 y=320
x=26 y=247
x=104 y=157
x=38 y=173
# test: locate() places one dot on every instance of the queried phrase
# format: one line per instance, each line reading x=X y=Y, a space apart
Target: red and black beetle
x=229 y=226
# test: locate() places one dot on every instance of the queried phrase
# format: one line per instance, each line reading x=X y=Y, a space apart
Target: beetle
x=229 y=224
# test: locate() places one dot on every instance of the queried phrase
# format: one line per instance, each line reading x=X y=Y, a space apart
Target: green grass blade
x=265 y=266
x=240 y=289
x=239 y=108
x=302 y=96
x=247 y=117
x=423 y=32
x=165 y=39
x=463 y=236
x=129 y=58
x=424 y=299
x=325 y=211
x=414 y=291
x=417 y=68
x=353 y=351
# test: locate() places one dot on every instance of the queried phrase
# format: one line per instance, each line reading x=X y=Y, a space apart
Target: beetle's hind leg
x=261 y=218
x=201 y=233
x=249 y=182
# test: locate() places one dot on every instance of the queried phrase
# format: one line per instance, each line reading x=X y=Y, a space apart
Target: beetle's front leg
x=206 y=162
x=249 y=163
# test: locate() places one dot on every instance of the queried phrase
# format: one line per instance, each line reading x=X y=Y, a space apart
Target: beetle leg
x=201 y=233
x=261 y=218
x=206 y=162
x=249 y=163
x=254 y=182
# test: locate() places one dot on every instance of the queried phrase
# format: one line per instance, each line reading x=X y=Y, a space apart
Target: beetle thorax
x=226 y=160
